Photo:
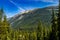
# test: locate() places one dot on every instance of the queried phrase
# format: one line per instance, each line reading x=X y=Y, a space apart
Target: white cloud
x=20 y=8
x=51 y=1
x=48 y=0
x=9 y=15
x=54 y=2
x=52 y=5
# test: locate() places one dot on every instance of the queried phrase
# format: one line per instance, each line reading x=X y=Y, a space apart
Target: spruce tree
x=4 y=25
x=45 y=33
x=40 y=31
x=53 y=35
x=59 y=21
x=1 y=16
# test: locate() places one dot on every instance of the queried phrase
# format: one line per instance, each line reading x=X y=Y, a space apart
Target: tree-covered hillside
x=28 y=20
x=31 y=19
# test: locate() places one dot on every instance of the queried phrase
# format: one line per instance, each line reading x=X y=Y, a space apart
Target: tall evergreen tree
x=45 y=33
x=1 y=14
x=53 y=35
x=4 y=25
x=40 y=31
x=58 y=20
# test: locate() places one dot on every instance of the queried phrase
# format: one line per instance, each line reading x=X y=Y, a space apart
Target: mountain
x=29 y=19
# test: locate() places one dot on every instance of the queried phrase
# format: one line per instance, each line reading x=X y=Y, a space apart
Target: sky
x=13 y=7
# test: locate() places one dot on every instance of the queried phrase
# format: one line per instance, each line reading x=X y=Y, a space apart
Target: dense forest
x=42 y=32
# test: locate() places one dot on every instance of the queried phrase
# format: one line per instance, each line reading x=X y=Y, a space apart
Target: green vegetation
x=29 y=20
x=43 y=32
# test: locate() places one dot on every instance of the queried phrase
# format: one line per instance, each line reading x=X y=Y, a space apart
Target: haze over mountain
x=29 y=19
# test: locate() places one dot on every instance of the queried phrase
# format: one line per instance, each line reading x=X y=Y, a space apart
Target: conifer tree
x=4 y=25
x=53 y=35
x=1 y=16
x=40 y=31
x=58 y=20
x=45 y=33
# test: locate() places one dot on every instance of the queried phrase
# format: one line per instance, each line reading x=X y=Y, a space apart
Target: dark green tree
x=45 y=37
x=4 y=26
x=58 y=20
x=53 y=34
x=1 y=14
x=40 y=31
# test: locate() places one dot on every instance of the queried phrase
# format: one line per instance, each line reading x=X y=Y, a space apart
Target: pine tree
x=53 y=35
x=59 y=21
x=1 y=16
x=40 y=31
x=45 y=33
x=4 y=26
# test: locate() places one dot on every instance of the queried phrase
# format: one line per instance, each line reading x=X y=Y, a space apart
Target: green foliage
x=4 y=26
x=58 y=20
x=42 y=32
x=53 y=33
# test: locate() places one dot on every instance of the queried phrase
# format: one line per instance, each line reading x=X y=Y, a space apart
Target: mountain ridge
x=28 y=20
